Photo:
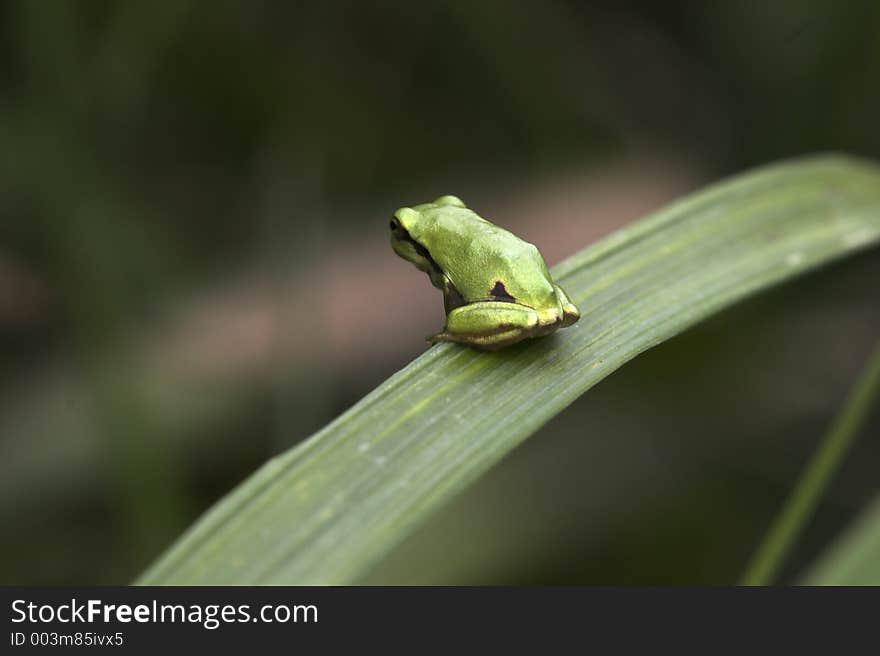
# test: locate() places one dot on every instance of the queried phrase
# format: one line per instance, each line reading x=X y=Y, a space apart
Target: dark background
x=195 y=275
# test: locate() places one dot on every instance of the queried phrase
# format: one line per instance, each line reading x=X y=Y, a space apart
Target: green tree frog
x=496 y=287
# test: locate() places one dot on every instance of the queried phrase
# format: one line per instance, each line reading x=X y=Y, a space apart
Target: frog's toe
x=570 y=315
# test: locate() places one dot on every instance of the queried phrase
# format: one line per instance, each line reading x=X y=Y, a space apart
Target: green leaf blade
x=854 y=559
x=326 y=510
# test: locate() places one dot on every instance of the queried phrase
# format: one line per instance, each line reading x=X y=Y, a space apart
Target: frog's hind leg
x=488 y=325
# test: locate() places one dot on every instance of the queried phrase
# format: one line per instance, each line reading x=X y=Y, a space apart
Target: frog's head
x=408 y=227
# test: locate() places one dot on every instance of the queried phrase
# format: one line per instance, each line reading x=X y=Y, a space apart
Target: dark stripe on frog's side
x=403 y=234
x=451 y=296
x=499 y=293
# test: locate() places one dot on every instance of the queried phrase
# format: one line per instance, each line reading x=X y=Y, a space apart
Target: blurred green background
x=195 y=274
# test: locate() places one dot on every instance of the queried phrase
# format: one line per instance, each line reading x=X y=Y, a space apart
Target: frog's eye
x=394 y=224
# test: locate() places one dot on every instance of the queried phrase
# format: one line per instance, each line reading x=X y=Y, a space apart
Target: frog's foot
x=570 y=313
x=489 y=325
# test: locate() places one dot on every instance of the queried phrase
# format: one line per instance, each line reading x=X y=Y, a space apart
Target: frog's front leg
x=488 y=325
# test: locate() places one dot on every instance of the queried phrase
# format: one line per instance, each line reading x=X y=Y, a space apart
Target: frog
x=497 y=289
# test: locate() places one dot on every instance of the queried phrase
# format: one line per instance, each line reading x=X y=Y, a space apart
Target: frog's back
x=477 y=255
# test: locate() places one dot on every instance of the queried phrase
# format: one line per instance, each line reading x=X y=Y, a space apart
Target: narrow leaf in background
x=855 y=558
x=816 y=477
